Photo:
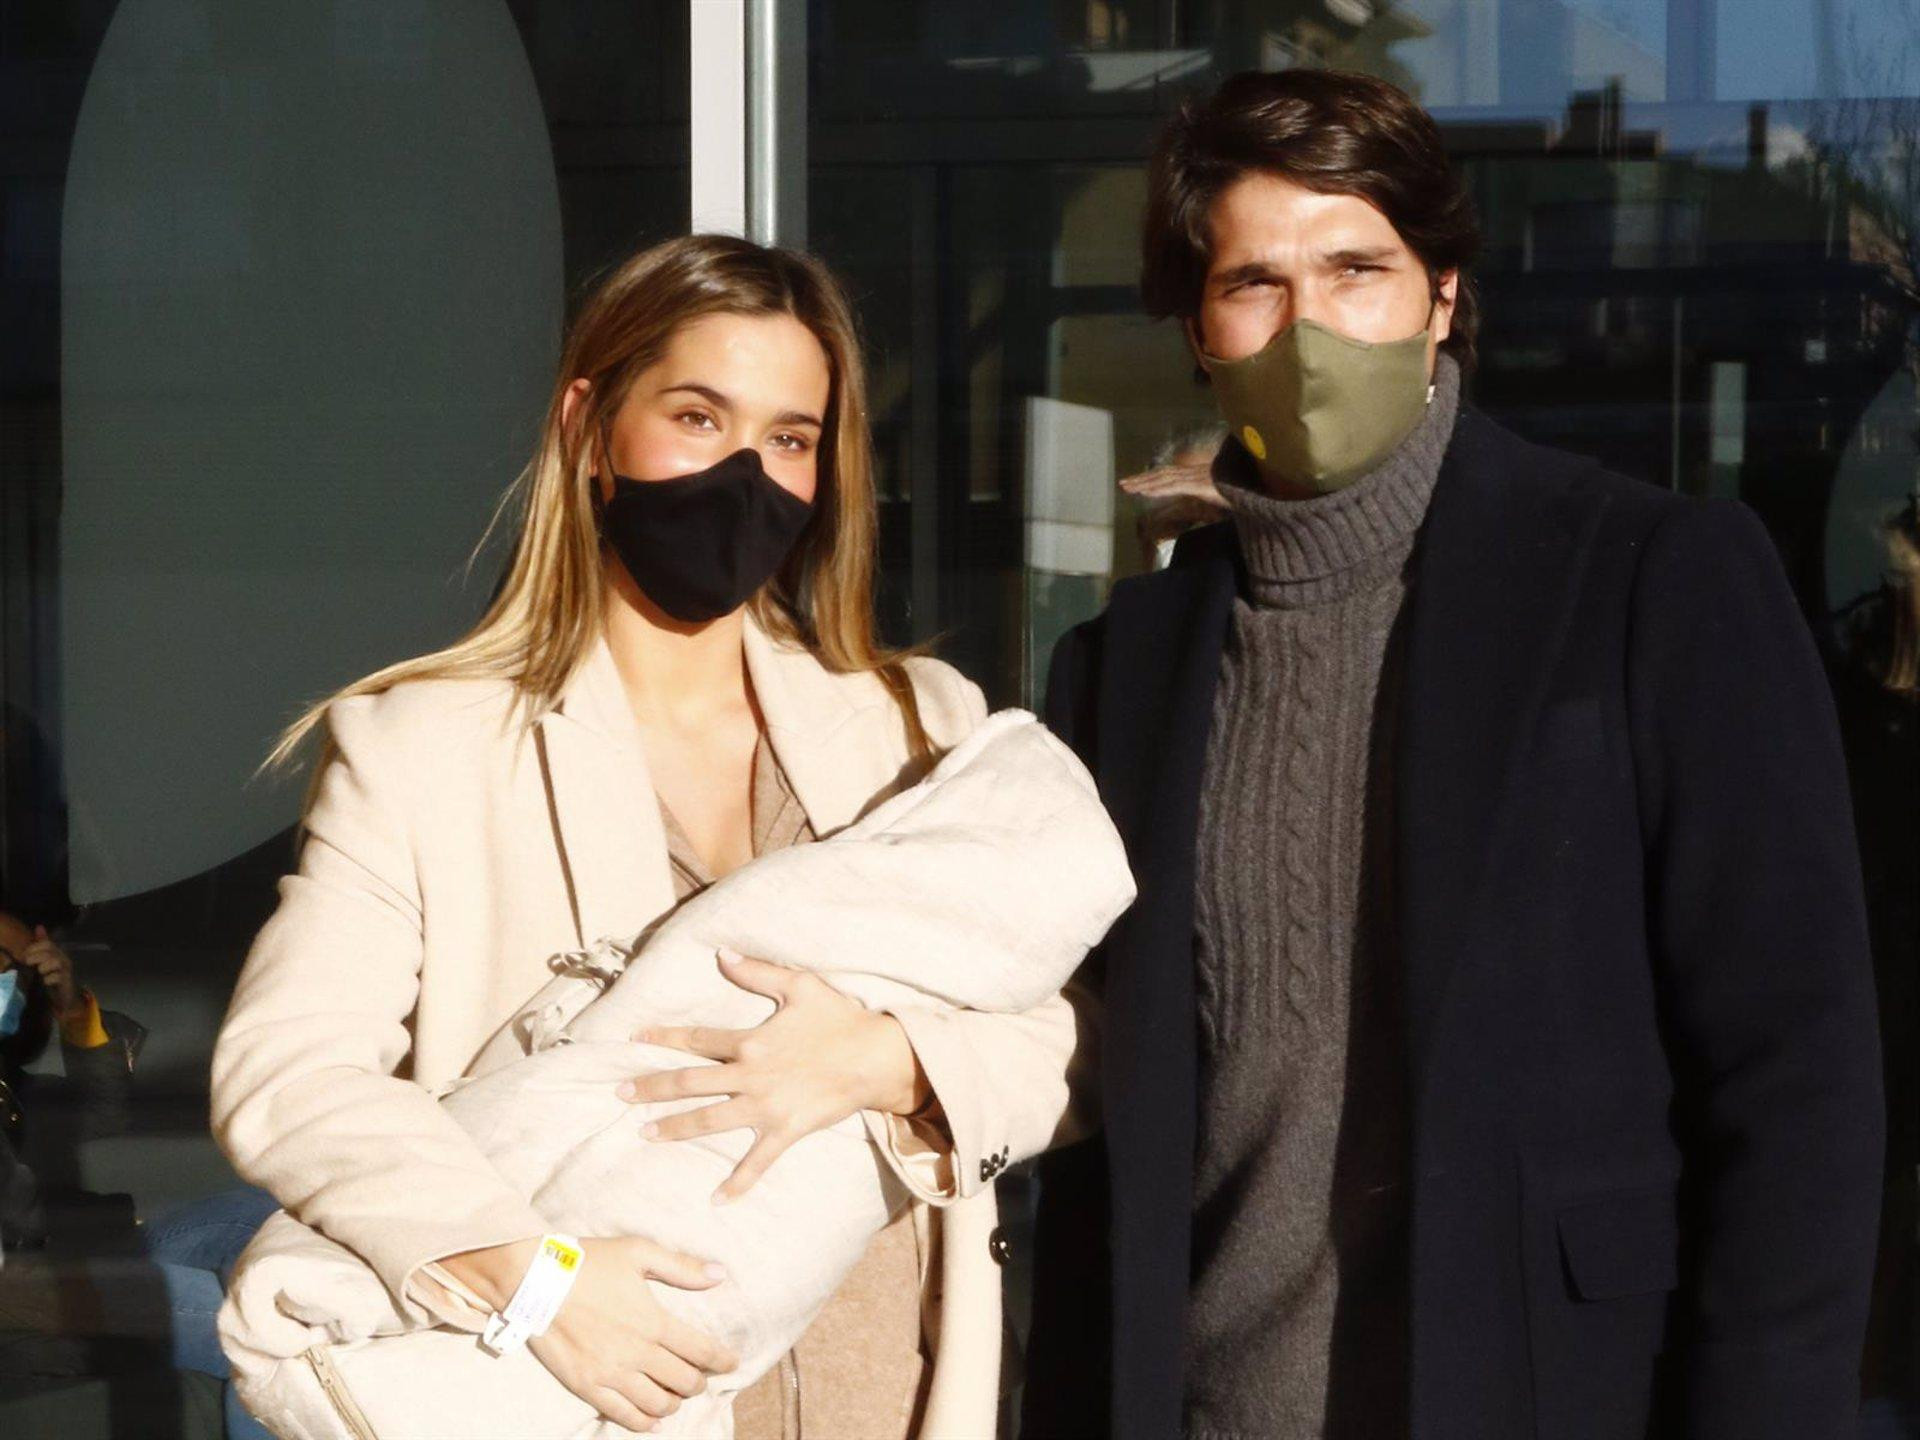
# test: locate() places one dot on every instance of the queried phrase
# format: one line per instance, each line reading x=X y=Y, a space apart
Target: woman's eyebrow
x=723 y=402
x=705 y=392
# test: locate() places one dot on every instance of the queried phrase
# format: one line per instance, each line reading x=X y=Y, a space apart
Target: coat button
x=998 y=1246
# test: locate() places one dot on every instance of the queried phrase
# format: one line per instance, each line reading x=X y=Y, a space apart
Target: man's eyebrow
x=1251 y=270
x=1357 y=255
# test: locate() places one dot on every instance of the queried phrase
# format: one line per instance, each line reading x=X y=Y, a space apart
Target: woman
x=678 y=673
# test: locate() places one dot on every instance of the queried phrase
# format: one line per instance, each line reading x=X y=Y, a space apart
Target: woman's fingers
x=674 y=1375
x=767 y=1148
x=1189 y=480
x=679 y=1269
x=763 y=977
x=618 y=1408
x=44 y=957
x=707 y=1120
x=696 y=1347
x=683 y=1084
x=700 y=1040
x=644 y=1392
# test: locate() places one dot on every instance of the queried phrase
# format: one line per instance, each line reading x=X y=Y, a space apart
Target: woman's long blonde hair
x=547 y=612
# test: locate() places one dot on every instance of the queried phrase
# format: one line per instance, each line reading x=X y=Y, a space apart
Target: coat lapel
x=831 y=734
x=1499 y=562
x=836 y=736
x=1164 y=636
x=605 y=808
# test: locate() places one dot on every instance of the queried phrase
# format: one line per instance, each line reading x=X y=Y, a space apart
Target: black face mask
x=700 y=545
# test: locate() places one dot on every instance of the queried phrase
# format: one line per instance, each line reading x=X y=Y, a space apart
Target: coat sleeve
x=1758 y=926
x=1009 y=1085
x=1070 y=1334
x=100 y=1076
x=307 y=1101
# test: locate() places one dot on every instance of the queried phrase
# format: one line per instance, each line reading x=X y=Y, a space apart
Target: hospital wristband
x=543 y=1290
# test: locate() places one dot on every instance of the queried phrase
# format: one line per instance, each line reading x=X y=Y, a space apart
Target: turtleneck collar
x=1310 y=552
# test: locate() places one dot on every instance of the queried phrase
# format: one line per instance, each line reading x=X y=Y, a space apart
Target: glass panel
x=1701 y=225
x=281 y=287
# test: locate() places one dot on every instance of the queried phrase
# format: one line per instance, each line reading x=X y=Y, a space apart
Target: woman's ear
x=570 y=402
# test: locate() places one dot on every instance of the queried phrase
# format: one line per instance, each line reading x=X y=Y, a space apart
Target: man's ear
x=1196 y=347
x=1447 y=292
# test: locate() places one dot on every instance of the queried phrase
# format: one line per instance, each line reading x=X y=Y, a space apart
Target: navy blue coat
x=1646 y=1090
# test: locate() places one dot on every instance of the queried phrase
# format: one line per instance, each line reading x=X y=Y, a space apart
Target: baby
x=983 y=886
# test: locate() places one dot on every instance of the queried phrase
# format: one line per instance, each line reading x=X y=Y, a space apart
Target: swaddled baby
x=982 y=887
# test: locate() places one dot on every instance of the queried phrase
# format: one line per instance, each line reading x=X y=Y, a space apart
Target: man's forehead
x=1262 y=217
x=14 y=933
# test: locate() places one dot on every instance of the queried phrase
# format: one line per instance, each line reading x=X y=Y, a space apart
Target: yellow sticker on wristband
x=567 y=1256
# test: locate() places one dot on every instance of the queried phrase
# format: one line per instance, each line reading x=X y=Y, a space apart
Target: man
x=1491 y=1050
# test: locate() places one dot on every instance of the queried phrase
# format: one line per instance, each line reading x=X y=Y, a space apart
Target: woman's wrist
x=903 y=1086
x=493 y=1274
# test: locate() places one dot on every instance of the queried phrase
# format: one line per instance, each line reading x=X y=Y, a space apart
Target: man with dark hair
x=1491 y=1050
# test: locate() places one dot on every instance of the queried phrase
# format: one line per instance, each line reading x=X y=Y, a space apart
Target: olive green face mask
x=1318 y=409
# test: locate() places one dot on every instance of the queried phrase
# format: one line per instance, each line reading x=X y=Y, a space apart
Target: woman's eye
x=698 y=419
x=792 y=444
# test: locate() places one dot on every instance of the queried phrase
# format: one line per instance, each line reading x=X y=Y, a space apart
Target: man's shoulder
x=1199 y=550
x=1483 y=447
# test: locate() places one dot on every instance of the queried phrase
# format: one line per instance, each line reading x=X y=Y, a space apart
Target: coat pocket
x=1601 y=1246
x=1620 y=1245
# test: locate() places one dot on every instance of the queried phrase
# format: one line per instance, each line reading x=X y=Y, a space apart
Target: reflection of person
x=42 y=1118
x=1176 y=492
x=1876 y=678
x=1492 y=828
x=678 y=674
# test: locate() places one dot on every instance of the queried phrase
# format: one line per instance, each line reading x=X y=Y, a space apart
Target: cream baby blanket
x=983 y=886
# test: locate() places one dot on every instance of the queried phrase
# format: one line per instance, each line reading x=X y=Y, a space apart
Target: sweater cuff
x=82 y=1028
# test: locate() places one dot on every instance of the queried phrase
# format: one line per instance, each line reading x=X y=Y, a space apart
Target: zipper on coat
x=335 y=1388
x=790 y=1383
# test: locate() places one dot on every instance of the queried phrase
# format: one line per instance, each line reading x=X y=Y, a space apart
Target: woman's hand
x=818 y=1059
x=1192 y=482
x=612 y=1344
x=55 y=970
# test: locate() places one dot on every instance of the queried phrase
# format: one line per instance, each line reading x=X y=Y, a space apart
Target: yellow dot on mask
x=1250 y=438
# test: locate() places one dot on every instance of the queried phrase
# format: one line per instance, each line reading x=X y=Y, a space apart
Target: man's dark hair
x=1330 y=131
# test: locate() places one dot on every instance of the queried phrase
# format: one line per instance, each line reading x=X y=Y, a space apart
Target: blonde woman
x=678 y=674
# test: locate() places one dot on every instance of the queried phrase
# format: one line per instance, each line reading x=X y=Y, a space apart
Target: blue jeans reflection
x=194 y=1245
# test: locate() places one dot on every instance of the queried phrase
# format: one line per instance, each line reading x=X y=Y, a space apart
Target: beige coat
x=445 y=862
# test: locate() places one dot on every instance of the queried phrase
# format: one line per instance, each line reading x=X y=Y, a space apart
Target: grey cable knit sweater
x=1297 y=1322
